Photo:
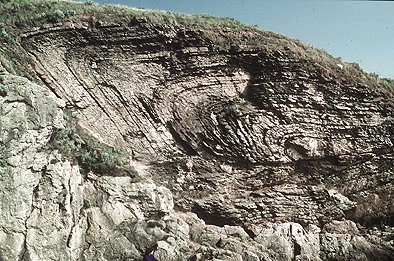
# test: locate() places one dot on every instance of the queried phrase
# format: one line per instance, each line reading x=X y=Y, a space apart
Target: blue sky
x=356 y=31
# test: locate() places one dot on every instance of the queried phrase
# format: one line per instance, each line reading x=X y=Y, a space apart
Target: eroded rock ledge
x=252 y=153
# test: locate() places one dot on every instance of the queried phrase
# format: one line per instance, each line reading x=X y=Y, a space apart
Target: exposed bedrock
x=245 y=137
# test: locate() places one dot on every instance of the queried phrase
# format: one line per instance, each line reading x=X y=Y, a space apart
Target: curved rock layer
x=281 y=157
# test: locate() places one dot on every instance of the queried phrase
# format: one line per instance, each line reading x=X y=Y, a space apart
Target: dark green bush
x=89 y=2
x=2 y=161
x=3 y=90
x=101 y=157
x=56 y=16
x=92 y=202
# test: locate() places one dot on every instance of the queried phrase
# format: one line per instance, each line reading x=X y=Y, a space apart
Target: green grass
x=23 y=13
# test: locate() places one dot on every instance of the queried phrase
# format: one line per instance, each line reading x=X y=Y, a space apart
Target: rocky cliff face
x=249 y=146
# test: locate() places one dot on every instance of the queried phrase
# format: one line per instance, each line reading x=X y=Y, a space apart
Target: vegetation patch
x=23 y=13
x=5 y=35
x=387 y=83
x=90 y=202
x=77 y=145
x=3 y=161
x=3 y=152
x=3 y=90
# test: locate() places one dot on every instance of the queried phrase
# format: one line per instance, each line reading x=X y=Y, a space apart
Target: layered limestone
x=243 y=152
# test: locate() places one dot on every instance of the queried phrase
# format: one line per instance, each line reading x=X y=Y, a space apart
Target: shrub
x=2 y=161
x=101 y=158
x=5 y=35
x=388 y=83
x=74 y=143
x=3 y=90
x=89 y=2
x=56 y=16
x=91 y=202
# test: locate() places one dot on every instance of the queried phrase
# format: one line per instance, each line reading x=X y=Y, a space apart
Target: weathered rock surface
x=29 y=113
x=244 y=153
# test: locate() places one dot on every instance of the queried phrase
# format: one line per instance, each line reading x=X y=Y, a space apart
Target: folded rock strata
x=245 y=152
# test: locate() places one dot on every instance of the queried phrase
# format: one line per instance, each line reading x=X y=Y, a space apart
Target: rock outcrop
x=244 y=151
